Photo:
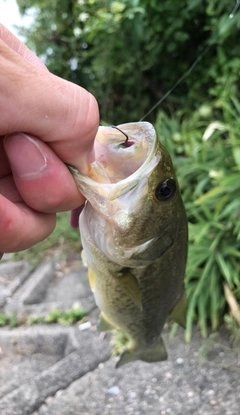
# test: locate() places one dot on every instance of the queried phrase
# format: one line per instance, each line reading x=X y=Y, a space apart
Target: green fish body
x=134 y=234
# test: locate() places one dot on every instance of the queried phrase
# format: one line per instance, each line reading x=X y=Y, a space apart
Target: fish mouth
x=120 y=163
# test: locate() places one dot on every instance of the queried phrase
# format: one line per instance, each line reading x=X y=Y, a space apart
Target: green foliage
x=3 y=319
x=119 y=342
x=8 y=320
x=71 y=316
x=234 y=329
x=205 y=149
x=129 y=53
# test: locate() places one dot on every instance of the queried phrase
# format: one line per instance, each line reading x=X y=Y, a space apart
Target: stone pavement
x=68 y=370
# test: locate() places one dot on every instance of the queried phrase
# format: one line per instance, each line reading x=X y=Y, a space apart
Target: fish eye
x=166 y=190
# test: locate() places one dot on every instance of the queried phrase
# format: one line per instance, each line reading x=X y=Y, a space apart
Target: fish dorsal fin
x=157 y=354
x=104 y=324
x=179 y=312
x=130 y=285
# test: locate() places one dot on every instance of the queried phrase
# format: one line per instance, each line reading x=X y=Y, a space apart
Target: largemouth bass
x=134 y=235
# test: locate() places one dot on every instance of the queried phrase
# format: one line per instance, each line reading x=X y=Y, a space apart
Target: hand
x=45 y=123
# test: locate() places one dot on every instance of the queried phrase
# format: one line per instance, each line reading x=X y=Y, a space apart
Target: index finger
x=39 y=103
x=15 y=44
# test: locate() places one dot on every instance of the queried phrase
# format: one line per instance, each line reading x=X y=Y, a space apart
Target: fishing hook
x=126 y=141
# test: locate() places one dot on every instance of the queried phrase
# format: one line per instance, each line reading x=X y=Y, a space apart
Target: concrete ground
x=65 y=370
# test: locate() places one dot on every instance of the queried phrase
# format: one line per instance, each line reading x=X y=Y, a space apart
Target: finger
x=8 y=189
x=15 y=44
x=43 y=180
x=22 y=227
x=61 y=113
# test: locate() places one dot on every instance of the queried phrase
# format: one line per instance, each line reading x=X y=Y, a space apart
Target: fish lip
x=114 y=190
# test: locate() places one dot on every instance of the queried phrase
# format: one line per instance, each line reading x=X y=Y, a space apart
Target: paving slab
x=49 y=288
x=36 y=362
x=62 y=370
x=202 y=378
x=12 y=276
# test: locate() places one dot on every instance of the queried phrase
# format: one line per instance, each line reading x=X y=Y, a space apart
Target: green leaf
x=224 y=269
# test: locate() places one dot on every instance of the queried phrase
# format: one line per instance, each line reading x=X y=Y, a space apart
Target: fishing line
x=178 y=81
x=235 y=9
x=205 y=51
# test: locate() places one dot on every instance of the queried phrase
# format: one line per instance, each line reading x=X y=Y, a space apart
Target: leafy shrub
x=129 y=53
x=205 y=148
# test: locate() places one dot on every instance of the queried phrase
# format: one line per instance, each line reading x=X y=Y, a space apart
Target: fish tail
x=157 y=354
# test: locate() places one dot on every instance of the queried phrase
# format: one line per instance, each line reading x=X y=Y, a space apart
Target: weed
x=8 y=320
x=119 y=342
x=71 y=316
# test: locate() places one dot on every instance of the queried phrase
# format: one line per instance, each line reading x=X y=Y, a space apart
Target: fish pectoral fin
x=104 y=324
x=179 y=313
x=91 y=279
x=130 y=285
x=158 y=354
x=84 y=259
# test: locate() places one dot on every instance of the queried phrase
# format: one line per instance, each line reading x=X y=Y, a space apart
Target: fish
x=134 y=236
